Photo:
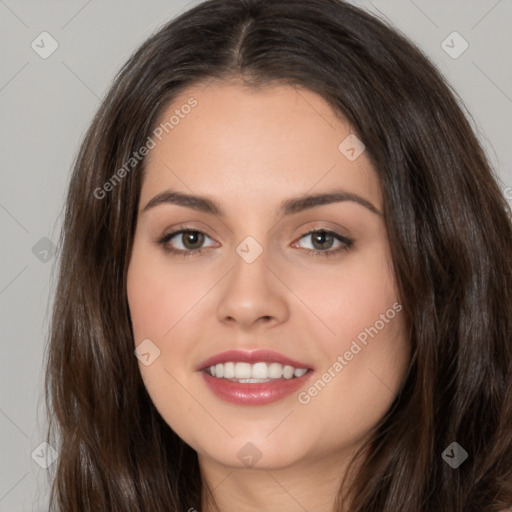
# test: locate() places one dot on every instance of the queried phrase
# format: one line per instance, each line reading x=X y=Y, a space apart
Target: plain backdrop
x=46 y=105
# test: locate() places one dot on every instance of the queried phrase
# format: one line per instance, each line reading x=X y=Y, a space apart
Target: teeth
x=251 y=381
x=229 y=370
x=242 y=371
x=257 y=372
x=288 y=372
x=275 y=370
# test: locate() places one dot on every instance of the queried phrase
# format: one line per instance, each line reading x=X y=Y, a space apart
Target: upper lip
x=252 y=357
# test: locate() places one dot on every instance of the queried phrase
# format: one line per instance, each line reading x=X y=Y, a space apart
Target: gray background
x=45 y=108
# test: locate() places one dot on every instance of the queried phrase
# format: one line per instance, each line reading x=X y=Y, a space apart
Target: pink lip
x=254 y=393
x=250 y=357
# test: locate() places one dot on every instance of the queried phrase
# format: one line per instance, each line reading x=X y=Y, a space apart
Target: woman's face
x=324 y=301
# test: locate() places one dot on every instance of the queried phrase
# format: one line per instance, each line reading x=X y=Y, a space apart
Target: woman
x=202 y=357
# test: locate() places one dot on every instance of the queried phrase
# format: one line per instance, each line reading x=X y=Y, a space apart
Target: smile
x=253 y=378
x=253 y=373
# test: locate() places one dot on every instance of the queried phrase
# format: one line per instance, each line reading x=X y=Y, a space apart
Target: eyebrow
x=287 y=207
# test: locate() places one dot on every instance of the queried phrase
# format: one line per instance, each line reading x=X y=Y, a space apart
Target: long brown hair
x=450 y=233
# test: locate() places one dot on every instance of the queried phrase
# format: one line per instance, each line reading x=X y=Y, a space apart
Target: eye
x=323 y=241
x=190 y=239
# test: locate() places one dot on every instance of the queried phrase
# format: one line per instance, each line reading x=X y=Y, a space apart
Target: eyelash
x=346 y=243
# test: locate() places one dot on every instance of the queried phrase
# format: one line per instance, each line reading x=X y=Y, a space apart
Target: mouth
x=253 y=378
x=259 y=372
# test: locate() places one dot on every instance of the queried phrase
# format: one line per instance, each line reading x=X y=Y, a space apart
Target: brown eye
x=191 y=241
x=323 y=240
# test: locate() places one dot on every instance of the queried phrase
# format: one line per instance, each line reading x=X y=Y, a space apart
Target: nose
x=253 y=294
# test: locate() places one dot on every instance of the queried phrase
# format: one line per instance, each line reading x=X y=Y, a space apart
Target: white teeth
x=242 y=371
x=288 y=372
x=257 y=372
x=252 y=381
x=229 y=370
x=299 y=372
x=275 y=370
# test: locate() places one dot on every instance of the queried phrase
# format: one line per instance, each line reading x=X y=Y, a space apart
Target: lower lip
x=254 y=393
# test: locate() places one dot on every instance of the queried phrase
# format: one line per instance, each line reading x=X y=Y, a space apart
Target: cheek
x=159 y=295
x=353 y=297
x=156 y=310
x=367 y=351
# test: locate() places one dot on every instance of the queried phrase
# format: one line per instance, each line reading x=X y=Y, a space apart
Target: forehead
x=266 y=143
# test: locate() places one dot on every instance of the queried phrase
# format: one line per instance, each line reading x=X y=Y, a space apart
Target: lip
x=252 y=357
x=254 y=393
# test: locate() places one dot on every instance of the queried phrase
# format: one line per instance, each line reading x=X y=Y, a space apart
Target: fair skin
x=249 y=150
